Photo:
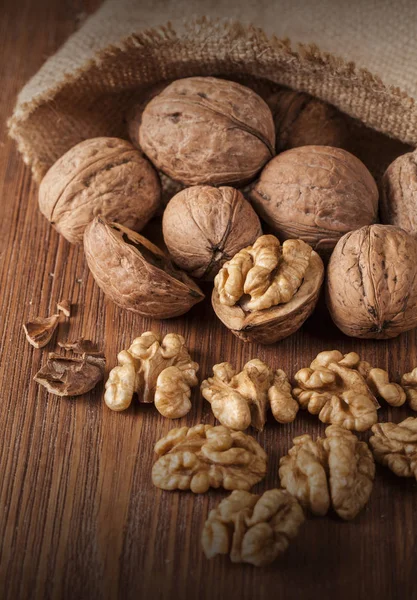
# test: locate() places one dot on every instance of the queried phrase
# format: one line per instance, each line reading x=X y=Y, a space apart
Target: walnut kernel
x=395 y=446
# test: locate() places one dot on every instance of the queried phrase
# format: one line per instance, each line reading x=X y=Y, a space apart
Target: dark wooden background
x=79 y=517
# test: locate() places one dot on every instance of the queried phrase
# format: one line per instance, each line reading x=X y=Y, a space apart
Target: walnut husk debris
x=372 y=282
x=251 y=528
x=317 y=194
x=207 y=130
x=66 y=376
x=204 y=227
x=336 y=471
x=335 y=390
x=241 y=399
x=40 y=330
x=200 y=457
x=395 y=446
x=409 y=384
x=267 y=291
x=64 y=306
x=158 y=370
x=99 y=176
x=136 y=274
x=399 y=193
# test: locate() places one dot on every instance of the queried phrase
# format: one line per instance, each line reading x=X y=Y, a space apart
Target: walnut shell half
x=135 y=273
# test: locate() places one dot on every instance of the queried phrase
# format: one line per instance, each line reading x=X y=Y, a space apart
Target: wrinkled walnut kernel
x=409 y=383
x=64 y=376
x=395 y=446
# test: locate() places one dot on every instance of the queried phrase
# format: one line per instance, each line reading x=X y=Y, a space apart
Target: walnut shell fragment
x=205 y=226
x=239 y=400
x=40 y=331
x=200 y=457
x=65 y=376
x=64 y=306
x=372 y=282
x=399 y=193
x=81 y=346
x=157 y=370
x=395 y=446
x=266 y=292
x=409 y=383
x=336 y=471
x=136 y=274
x=252 y=529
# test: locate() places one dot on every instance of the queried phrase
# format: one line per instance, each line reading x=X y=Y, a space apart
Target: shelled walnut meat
x=267 y=291
x=136 y=274
x=372 y=282
x=395 y=446
x=207 y=130
x=409 y=384
x=399 y=193
x=204 y=226
x=239 y=400
x=317 y=194
x=157 y=370
x=200 y=457
x=99 y=176
x=252 y=529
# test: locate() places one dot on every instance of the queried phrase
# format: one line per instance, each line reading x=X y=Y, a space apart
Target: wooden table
x=79 y=515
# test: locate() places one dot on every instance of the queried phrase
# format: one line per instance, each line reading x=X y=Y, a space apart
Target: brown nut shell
x=136 y=274
x=317 y=194
x=100 y=176
x=207 y=130
x=278 y=322
x=399 y=193
x=205 y=226
x=372 y=282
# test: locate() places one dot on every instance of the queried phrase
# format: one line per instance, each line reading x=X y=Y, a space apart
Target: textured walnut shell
x=372 y=282
x=399 y=193
x=317 y=194
x=100 y=176
x=135 y=273
x=205 y=226
x=273 y=324
x=207 y=130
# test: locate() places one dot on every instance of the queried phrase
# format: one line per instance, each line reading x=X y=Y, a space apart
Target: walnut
x=159 y=371
x=64 y=376
x=136 y=274
x=100 y=176
x=200 y=457
x=39 y=331
x=380 y=385
x=334 y=390
x=372 y=282
x=338 y=470
x=409 y=383
x=266 y=292
x=252 y=529
x=399 y=193
x=205 y=226
x=207 y=130
x=315 y=193
x=242 y=399
x=395 y=446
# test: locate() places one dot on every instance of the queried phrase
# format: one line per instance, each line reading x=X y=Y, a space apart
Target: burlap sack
x=364 y=61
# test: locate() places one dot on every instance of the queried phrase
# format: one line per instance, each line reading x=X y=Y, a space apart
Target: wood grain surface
x=79 y=517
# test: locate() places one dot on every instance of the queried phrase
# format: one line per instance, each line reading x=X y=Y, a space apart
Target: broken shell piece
x=40 y=330
x=65 y=307
x=81 y=346
x=65 y=376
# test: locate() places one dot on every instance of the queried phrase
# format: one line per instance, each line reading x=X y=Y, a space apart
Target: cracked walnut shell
x=267 y=291
x=205 y=226
x=399 y=193
x=159 y=371
x=136 y=274
x=372 y=282
x=200 y=457
x=65 y=376
x=242 y=399
x=99 y=176
x=335 y=471
x=395 y=446
x=252 y=529
x=207 y=130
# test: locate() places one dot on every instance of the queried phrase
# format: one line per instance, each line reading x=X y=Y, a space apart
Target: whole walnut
x=207 y=130
x=205 y=226
x=399 y=193
x=317 y=194
x=372 y=282
x=100 y=176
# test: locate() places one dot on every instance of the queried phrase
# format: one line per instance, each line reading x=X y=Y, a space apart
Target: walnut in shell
x=242 y=399
x=157 y=370
x=205 y=226
x=135 y=273
x=64 y=376
x=100 y=176
x=409 y=383
x=399 y=193
x=207 y=130
x=317 y=194
x=266 y=292
x=200 y=457
x=395 y=446
x=372 y=282
x=252 y=529
x=336 y=471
